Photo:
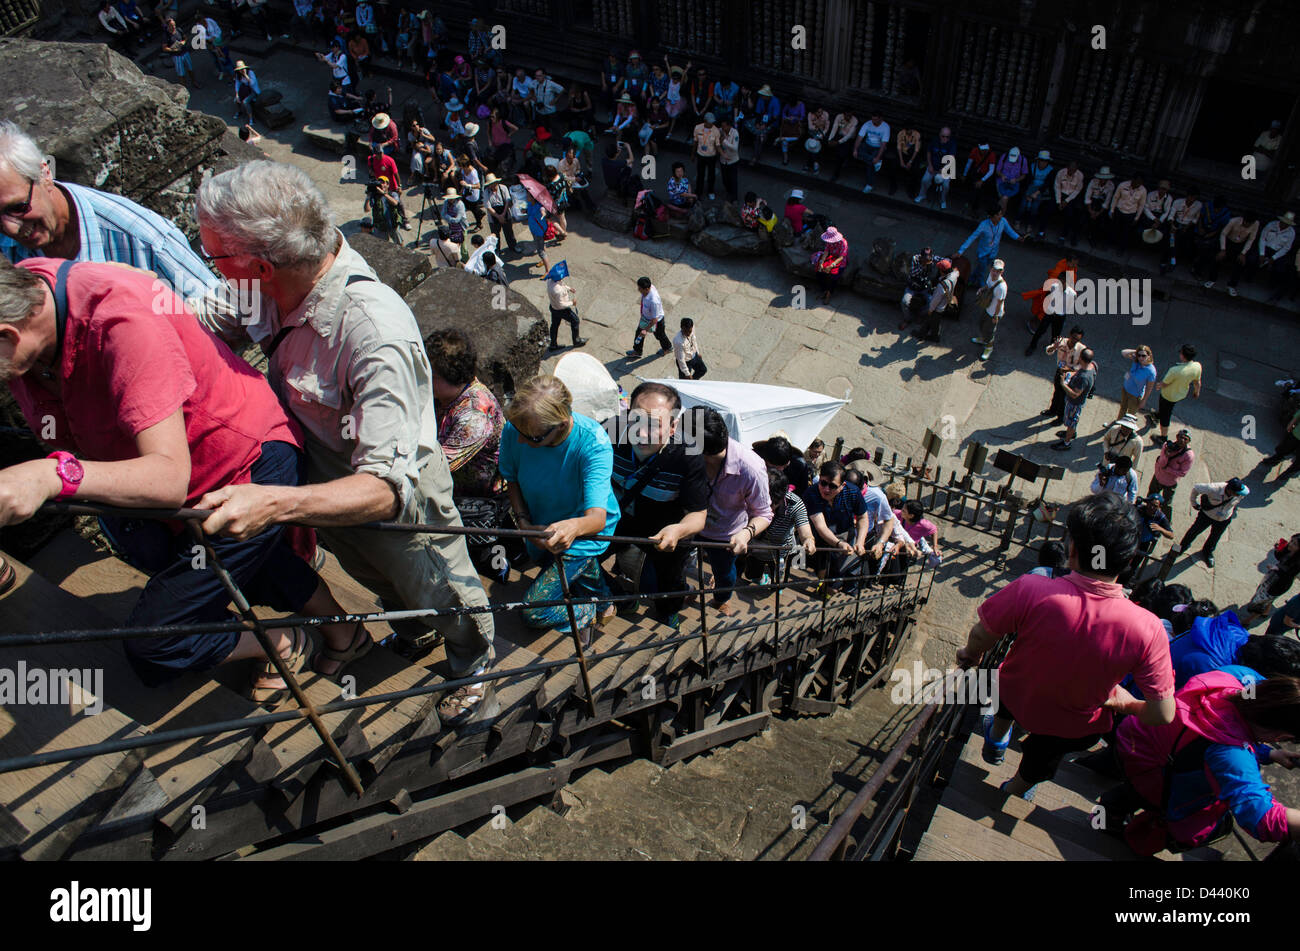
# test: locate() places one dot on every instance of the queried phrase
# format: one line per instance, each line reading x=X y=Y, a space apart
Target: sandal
x=303 y=648
x=468 y=703
x=358 y=647
x=7 y=576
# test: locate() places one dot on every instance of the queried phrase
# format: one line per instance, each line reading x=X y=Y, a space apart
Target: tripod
x=424 y=203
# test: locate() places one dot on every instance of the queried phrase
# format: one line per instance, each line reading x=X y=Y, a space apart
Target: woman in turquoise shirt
x=558 y=464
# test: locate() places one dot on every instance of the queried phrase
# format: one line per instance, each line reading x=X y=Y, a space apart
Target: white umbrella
x=754 y=411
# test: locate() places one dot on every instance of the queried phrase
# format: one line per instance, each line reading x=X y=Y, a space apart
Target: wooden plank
x=1060 y=832
x=710 y=737
x=952 y=836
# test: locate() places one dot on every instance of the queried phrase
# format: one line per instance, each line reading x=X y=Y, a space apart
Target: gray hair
x=19 y=151
x=268 y=210
x=21 y=293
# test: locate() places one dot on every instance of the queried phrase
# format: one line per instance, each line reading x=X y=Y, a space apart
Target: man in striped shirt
x=42 y=217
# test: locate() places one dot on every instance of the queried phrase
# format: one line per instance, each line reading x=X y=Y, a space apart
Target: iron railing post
x=577 y=635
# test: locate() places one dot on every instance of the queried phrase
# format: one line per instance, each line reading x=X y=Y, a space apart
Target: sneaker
x=634 y=353
x=1047 y=412
x=988 y=352
x=580 y=342
x=555 y=348
x=1208 y=284
x=1027 y=795
x=994 y=751
x=1209 y=558
x=1232 y=291
x=916 y=200
x=866 y=190
x=979 y=340
x=765 y=580
x=943 y=204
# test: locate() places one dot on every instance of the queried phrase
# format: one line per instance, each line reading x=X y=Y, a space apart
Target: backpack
x=985 y=296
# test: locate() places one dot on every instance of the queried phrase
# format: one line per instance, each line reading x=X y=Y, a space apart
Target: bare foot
x=726 y=609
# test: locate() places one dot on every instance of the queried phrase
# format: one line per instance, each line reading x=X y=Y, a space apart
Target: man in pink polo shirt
x=159 y=412
x=1077 y=637
x=740 y=508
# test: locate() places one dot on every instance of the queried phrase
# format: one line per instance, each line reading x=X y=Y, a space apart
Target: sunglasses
x=538 y=440
x=16 y=211
x=828 y=485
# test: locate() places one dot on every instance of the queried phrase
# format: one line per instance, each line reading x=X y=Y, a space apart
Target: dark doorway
x=1231 y=117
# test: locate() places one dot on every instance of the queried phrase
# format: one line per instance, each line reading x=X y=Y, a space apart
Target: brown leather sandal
x=358 y=647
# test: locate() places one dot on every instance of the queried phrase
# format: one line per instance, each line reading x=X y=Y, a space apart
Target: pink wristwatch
x=70 y=471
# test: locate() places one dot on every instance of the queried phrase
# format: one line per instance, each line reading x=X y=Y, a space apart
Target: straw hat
x=451 y=193
x=1152 y=235
x=625 y=99
x=832 y=234
x=1104 y=173
x=491 y=180
x=240 y=64
x=676 y=71
x=1128 y=422
x=871 y=473
x=765 y=90
x=454 y=105
x=471 y=129
x=1288 y=218
x=381 y=121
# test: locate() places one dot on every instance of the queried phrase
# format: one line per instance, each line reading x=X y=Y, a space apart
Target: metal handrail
x=834 y=845
x=312 y=712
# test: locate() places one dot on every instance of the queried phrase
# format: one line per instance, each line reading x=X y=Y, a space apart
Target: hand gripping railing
x=312 y=712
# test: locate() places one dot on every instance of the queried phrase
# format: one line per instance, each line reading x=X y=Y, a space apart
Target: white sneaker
x=916 y=200
x=1208 y=284
x=1232 y=291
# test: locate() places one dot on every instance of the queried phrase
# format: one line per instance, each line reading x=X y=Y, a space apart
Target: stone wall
x=110 y=126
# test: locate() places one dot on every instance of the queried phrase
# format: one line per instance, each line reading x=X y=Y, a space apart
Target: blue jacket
x=988 y=238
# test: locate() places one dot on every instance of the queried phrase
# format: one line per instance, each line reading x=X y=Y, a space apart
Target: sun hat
x=1129 y=421
x=676 y=71
x=796 y=193
x=832 y=234
x=625 y=98
x=1152 y=235
x=1288 y=218
x=765 y=90
x=999 y=264
x=1044 y=154
x=634 y=55
x=491 y=179
x=459 y=60
x=451 y=193
x=381 y=120
x=710 y=118
x=1104 y=172
x=454 y=105
x=240 y=64
x=471 y=129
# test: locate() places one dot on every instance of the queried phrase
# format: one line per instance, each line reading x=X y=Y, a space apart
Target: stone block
x=510 y=342
x=400 y=268
x=726 y=240
x=613 y=214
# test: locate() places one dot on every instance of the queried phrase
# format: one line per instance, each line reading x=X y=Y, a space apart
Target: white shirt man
x=685 y=349
x=1067 y=185
x=1159 y=206
x=997 y=284
x=112 y=21
x=1276 y=239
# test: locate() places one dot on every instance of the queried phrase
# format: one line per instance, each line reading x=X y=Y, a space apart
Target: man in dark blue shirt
x=941 y=149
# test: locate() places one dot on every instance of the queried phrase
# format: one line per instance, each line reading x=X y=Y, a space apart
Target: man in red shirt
x=160 y=411
x=382 y=165
x=1077 y=637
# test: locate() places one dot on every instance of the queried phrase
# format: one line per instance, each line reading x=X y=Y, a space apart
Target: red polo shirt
x=383 y=165
x=125 y=367
x=1076 y=638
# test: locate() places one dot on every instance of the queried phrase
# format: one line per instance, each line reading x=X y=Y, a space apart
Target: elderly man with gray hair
x=42 y=217
x=346 y=358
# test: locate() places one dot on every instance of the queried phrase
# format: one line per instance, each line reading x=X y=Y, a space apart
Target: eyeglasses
x=828 y=485
x=538 y=440
x=209 y=257
x=16 y=211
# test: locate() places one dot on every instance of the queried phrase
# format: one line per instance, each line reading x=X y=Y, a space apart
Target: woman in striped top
x=790 y=529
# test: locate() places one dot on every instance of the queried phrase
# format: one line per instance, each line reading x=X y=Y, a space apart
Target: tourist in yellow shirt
x=1180 y=379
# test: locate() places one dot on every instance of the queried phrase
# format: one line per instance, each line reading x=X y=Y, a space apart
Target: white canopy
x=594 y=391
x=754 y=411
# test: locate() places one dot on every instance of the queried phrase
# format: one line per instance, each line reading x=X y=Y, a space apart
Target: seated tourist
x=558 y=465
x=663 y=493
x=680 y=196
x=740 y=508
x=159 y=412
x=343 y=106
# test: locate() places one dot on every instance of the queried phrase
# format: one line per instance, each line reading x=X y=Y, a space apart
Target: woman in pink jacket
x=1190 y=775
x=1174 y=462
